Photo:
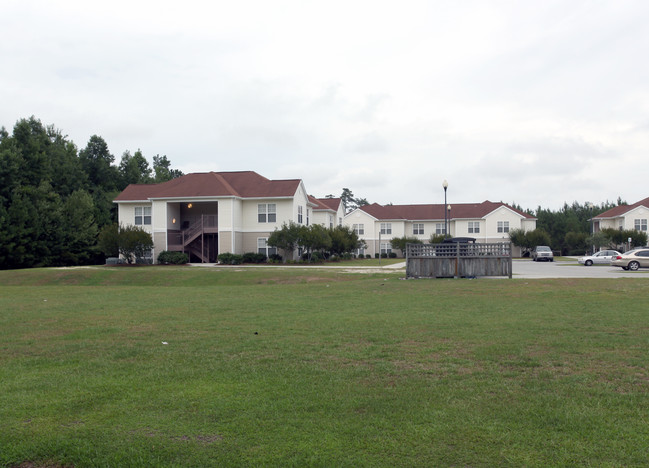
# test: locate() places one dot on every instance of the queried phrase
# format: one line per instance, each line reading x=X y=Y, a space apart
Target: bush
x=173 y=258
x=316 y=257
x=254 y=257
x=384 y=255
x=393 y=255
x=275 y=257
x=348 y=256
x=368 y=256
x=334 y=258
x=376 y=255
x=230 y=259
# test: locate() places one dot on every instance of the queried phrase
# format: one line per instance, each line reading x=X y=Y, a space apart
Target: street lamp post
x=448 y=210
x=445 y=185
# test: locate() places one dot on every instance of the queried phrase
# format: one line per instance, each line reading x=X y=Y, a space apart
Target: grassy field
x=293 y=367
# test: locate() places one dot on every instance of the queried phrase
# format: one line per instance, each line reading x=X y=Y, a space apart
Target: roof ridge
x=226 y=183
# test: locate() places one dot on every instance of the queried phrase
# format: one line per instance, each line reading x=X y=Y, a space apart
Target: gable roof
x=244 y=184
x=622 y=209
x=331 y=204
x=422 y=212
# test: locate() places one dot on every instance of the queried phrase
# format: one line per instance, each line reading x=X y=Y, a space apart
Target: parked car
x=603 y=257
x=633 y=259
x=542 y=253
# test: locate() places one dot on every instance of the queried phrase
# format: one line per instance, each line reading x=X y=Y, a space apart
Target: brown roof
x=620 y=210
x=245 y=184
x=326 y=203
x=421 y=212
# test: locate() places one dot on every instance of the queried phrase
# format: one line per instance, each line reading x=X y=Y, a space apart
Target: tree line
x=55 y=199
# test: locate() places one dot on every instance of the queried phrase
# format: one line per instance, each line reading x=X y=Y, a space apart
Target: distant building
x=624 y=217
x=486 y=222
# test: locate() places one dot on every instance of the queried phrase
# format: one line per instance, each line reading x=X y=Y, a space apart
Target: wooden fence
x=458 y=260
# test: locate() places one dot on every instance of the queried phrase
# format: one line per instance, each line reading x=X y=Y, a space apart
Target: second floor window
x=300 y=217
x=418 y=229
x=142 y=215
x=359 y=229
x=503 y=226
x=386 y=228
x=267 y=212
x=640 y=225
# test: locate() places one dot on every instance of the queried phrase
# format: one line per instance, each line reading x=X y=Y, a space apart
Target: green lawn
x=293 y=367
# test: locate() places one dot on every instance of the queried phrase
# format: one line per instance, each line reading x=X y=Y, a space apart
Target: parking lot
x=524 y=268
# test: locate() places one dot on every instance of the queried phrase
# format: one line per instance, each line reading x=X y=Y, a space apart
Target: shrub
x=253 y=257
x=348 y=256
x=173 y=258
x=230 y=259
x=334 y=258
x=316 y=257
x=376 y=255
x=368 y=256
x=393 y=255
x=275 y=257
x=384 y=255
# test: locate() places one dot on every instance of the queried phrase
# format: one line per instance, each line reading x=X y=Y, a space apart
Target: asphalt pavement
x=525 y=268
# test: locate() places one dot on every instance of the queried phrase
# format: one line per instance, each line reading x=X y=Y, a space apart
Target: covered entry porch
x=194 y=230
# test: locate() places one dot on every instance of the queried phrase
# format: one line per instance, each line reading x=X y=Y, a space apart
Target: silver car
x=603 y=257
x=633 y=259
x=542 y=253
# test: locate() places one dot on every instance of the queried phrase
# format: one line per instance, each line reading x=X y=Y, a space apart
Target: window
x=359 y=229
x=266 y=212
x=331 y=221
x=439 y=228
x=621 y=225
x=307 y=216
x=386 y=248
x=264 y=248
x=640 y=225
x=340 y=221
x=418 y=229
x=299 y=215
x=360 y=252
x=503 y=226
x=142 y=215
x=386 y=228
x=474 y=227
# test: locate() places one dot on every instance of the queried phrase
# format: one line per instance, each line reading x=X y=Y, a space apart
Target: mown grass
x=268 y=367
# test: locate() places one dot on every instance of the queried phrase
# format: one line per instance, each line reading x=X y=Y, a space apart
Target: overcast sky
x=532 y=102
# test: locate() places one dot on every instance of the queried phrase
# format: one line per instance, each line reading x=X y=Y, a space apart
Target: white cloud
x=514 y=101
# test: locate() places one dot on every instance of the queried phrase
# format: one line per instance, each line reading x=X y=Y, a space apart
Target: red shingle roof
x=246 y=184
x=422 y=212
x=620 y=210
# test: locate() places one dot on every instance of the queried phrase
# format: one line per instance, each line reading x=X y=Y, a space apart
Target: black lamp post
x=448 y=210
x=445 y=185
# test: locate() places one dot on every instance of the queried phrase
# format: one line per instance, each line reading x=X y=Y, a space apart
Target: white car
x=603 y=257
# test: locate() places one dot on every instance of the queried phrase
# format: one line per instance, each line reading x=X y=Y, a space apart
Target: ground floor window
x=360 y=252
x=440 y=228
x=386 y=248
x=264 y=248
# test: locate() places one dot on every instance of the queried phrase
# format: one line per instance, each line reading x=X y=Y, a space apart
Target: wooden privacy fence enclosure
x=458 y=260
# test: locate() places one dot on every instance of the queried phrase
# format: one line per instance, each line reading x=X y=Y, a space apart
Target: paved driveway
x=571 y=269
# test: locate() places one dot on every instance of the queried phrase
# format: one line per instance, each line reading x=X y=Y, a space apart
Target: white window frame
x=300 y=215
x=385 y=248
x=267 y=212
x=386 y=228
x=141 y=213
x=474 y=227
x=359 y=229
x=418 y=229
x=503 y=226
x=440 y=228
x=640 y=224
x=264 y=248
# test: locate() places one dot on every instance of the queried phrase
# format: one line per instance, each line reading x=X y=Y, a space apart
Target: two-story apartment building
x=205 y=214
x=486 y=222
x=328 y=212
x=624 y=217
